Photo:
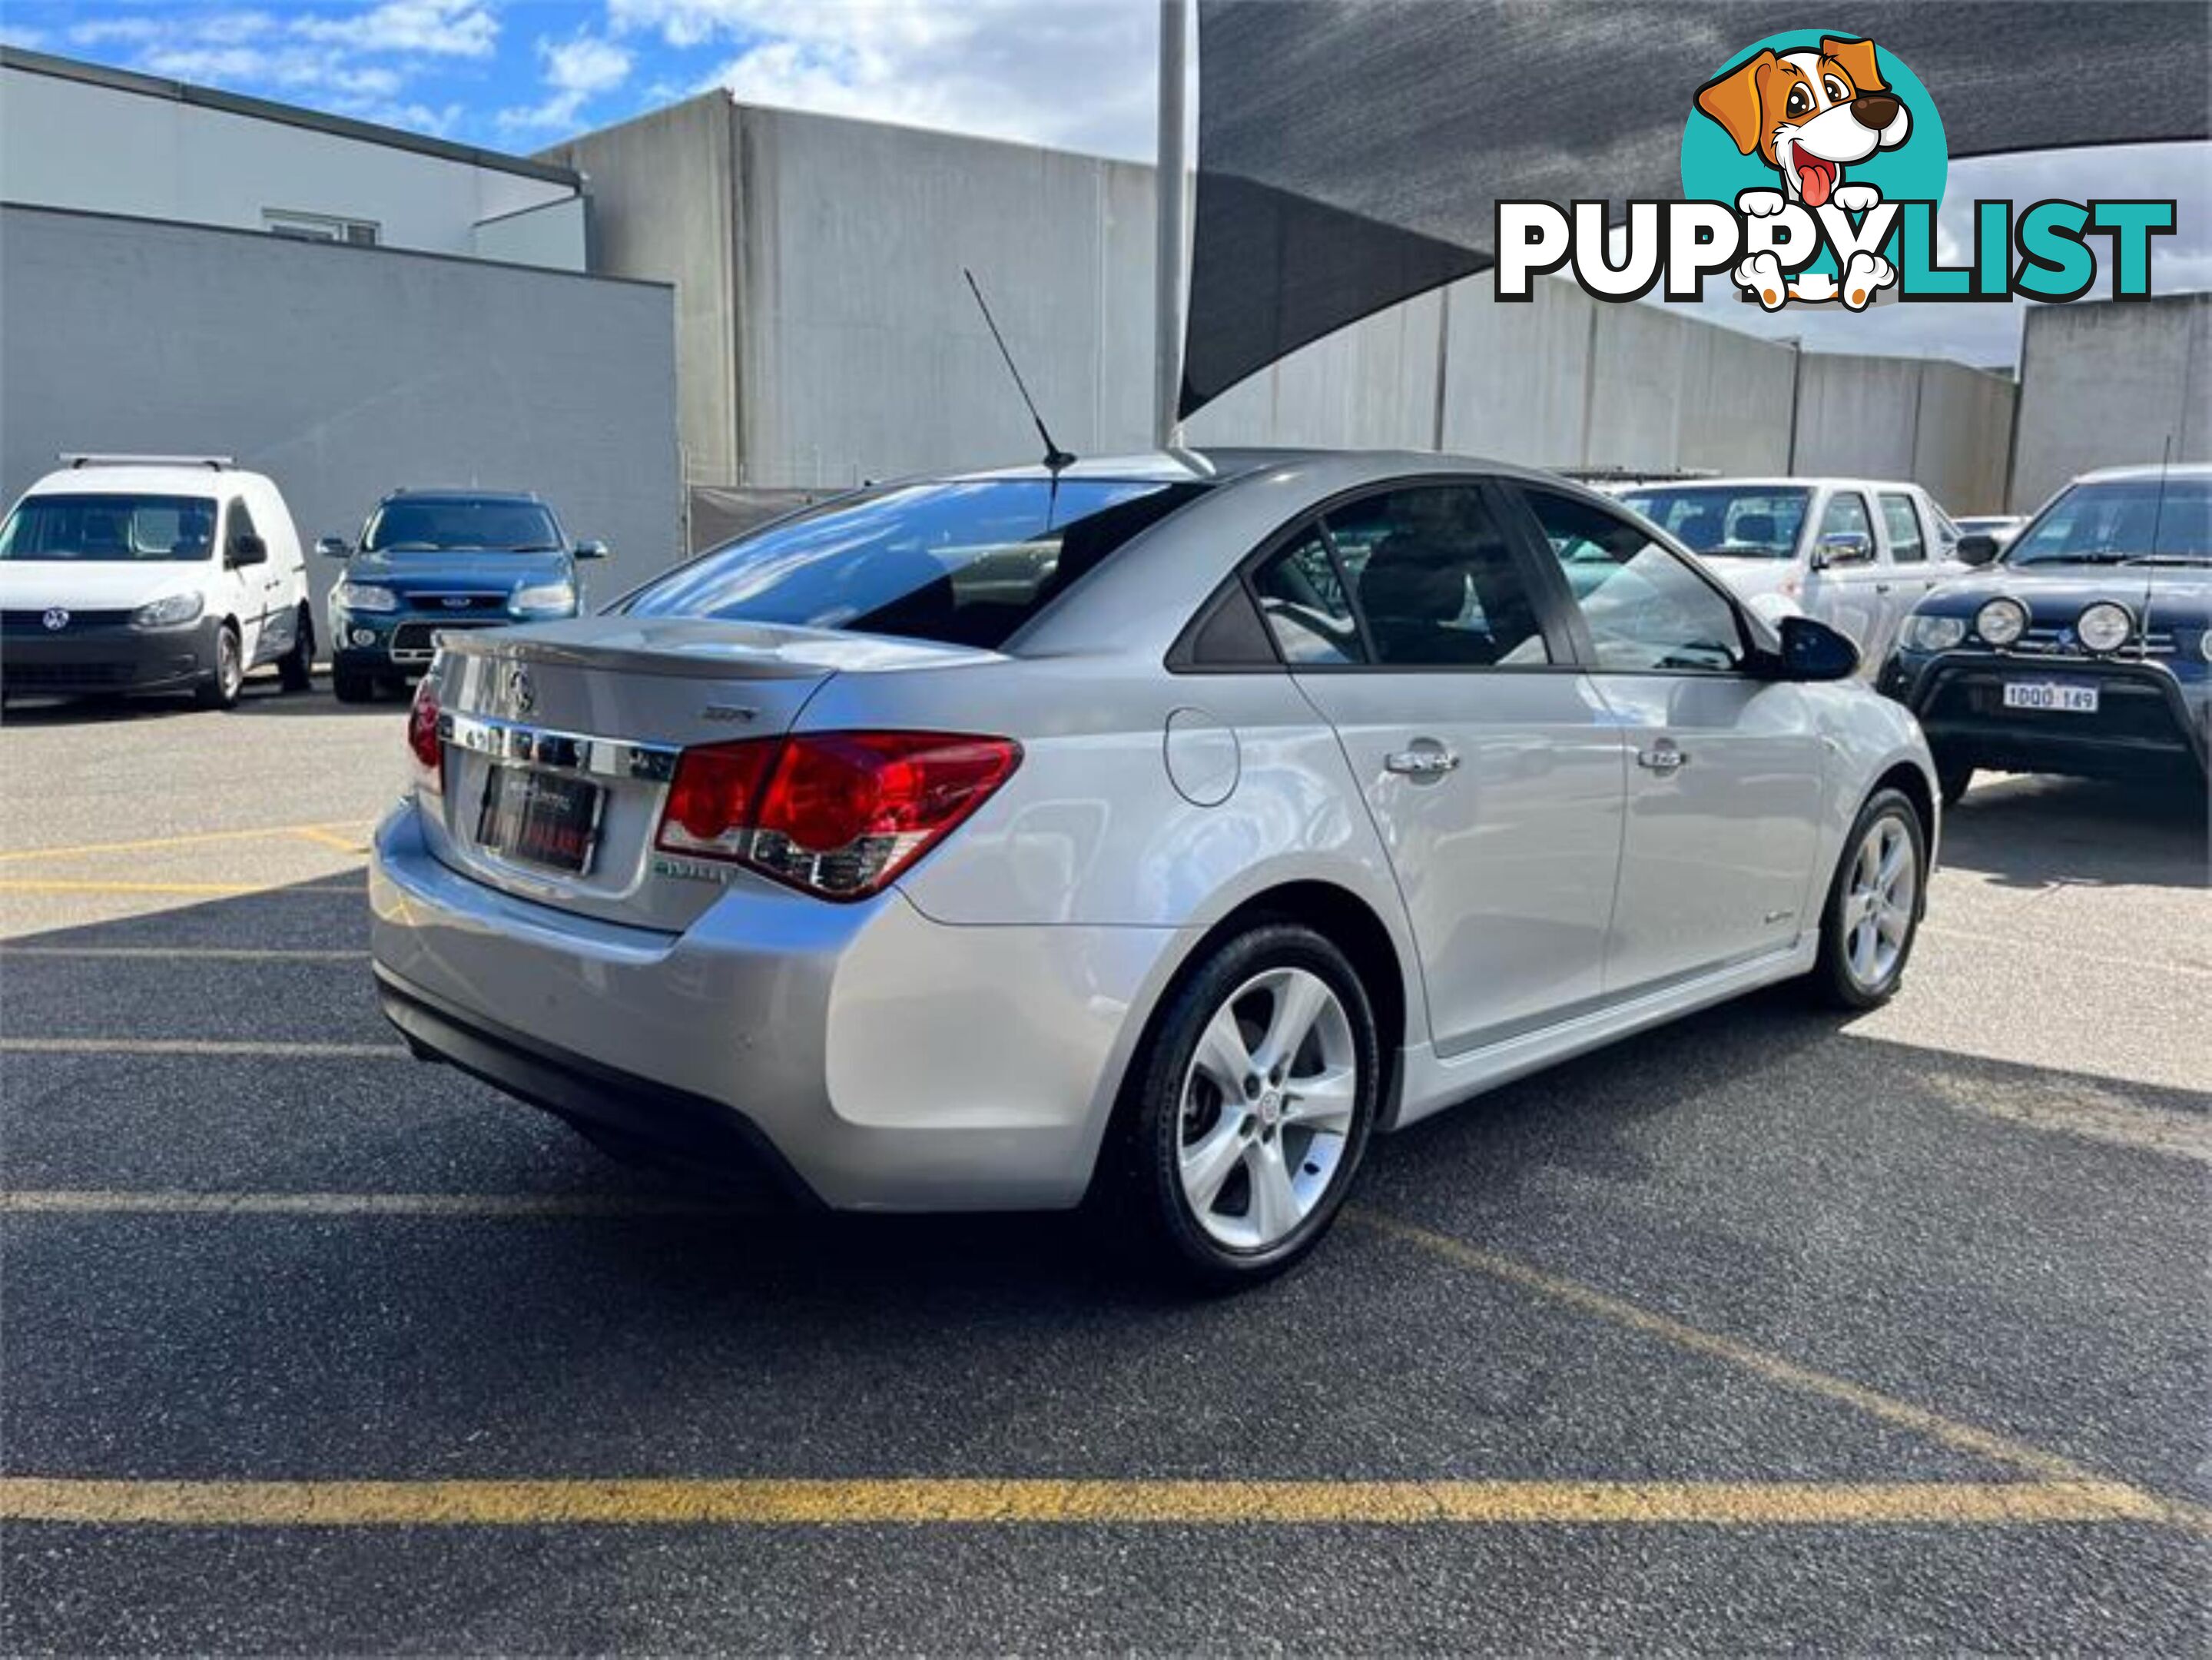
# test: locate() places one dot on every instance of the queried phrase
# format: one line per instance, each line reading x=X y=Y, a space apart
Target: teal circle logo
x=1814 y=117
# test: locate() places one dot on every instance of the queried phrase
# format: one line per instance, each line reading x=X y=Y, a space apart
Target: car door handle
x=1663 y=757
x=1420 y=763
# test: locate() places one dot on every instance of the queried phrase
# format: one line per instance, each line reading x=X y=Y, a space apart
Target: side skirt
x=1432 y=1082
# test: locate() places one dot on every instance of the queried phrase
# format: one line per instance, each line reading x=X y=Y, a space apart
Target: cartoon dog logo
x=1810 y=115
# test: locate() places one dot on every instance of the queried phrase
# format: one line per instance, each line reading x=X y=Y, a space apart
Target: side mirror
x=1979 y=549
x=594 y=548
x=248 y=549
x=333 y=547
x=1812 y=650
x=1843 y=547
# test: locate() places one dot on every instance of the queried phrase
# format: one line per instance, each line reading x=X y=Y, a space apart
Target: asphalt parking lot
x=1770 y=1330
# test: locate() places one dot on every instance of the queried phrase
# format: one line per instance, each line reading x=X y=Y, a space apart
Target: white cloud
x=444 y=28
x=577 y=71
x=1075 y=74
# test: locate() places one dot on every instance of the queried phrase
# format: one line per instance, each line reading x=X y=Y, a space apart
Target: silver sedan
x=1150 y=835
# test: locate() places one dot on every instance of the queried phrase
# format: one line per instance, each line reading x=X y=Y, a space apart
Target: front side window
x=965 y=563
x=1903 y=524
x=1730 y=522
x=109 y=529
x=1847 y=516
x=1435 y=581
x=424 y=523
x=2138 y=520
x=1647 y=611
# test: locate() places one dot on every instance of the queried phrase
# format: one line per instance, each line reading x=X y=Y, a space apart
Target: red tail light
x=838 y=814
x=422 y=739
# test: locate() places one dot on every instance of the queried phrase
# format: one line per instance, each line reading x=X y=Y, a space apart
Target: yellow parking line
x=206 y=953
x=196 y=1046
x=39 y=885
x=343 y=844
x=198 y=838
x=865 y=1503
x=2050 y=1467
x=106 y=1201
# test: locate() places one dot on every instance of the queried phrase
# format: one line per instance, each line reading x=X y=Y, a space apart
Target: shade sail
x=1351 y=152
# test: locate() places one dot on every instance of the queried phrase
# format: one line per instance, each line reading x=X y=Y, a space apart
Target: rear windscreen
x=965 y=563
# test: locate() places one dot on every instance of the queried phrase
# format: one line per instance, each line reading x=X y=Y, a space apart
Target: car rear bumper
x=2147 y=723
x=872 y=1058
x=107 y=659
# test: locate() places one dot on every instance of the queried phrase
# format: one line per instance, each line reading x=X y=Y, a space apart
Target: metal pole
x=1172 y=252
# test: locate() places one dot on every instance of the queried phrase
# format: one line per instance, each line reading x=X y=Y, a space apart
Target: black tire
x=352 y=686
x=1837 y=980
x=1953 y=779
x=221 y=688
x=1140 y=1199
x=296 y=669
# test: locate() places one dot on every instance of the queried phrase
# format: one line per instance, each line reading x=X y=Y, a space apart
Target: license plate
x=539 y=818
x=2057 y=695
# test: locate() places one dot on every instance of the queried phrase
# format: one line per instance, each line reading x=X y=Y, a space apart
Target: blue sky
x=522 y=74
x=519 y=75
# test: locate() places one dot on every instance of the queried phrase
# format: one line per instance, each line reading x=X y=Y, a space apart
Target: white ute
x=145 y=574
x=1857 y=554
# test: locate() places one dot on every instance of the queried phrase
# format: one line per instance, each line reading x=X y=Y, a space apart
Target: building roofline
x=291 y=115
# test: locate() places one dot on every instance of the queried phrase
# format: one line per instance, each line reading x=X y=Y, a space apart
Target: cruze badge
x=521 y=695
x=57 y=619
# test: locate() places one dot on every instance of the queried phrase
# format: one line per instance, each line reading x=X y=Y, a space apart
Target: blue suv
x=430 y=561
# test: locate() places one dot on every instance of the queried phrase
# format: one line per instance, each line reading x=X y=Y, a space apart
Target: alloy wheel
x=1266 y=1108
x=1879 y=905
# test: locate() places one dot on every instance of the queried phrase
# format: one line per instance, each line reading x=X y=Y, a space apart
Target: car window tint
x=964 y=563
x=1436 y=581
x=1903 y=524
x=1647 y=611
x=1303 y=601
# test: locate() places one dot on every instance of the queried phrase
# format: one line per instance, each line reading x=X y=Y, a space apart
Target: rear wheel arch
x=1349 y=923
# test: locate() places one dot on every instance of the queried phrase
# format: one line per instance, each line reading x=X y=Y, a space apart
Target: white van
x=1857 y=554
x=141 y=573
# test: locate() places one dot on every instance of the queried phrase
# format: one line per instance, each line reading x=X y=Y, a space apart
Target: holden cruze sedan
x=1152 y=834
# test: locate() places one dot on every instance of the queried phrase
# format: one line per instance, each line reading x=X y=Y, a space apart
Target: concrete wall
x=825 y=335
x=861 y=352
x=1568 y=381
x=69 y=143
x=554 y=234
x=2105 y=384
x=664 y=208
x=341 y=373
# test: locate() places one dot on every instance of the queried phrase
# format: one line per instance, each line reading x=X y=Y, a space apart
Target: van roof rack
x=74 y=460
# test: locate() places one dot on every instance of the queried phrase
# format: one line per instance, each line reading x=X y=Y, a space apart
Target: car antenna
x=1055 y=459
x=2150 y=564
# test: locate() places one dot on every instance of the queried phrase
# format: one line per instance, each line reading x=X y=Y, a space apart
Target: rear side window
x=1302 y=598
x=1906 y=546
x=965 y=563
